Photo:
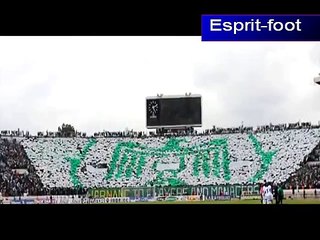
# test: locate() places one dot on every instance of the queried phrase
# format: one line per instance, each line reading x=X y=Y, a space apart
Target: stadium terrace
x=48 y=164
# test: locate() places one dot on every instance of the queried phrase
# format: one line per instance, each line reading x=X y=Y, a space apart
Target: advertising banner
x=142 y=199
x=105 y=200
x=171 y=199
x=22 y=201
x=193 y=198
x=222 y=198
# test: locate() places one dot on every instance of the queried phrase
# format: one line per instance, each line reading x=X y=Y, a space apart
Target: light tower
x=317 y=79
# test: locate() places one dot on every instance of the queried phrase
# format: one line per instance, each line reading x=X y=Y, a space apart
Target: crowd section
x=67 y=166
x=190 y=160
x=19 y=177
x=188 y=131
x=308 y=176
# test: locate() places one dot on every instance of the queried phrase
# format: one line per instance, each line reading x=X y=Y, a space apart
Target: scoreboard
x=174 y=111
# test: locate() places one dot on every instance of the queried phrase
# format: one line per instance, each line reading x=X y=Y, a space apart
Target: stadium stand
x=18 y=175
x=67 y=166
x=308 y=175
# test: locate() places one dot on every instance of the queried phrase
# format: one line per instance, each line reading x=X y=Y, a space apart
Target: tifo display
x=190 y=160
x=129 y=169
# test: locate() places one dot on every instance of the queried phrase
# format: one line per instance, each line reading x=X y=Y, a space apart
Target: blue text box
x=260 y=27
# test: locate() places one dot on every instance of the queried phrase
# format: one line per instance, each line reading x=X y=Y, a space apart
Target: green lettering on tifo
x=75 y=162
x=212 y=159
x=209 y=160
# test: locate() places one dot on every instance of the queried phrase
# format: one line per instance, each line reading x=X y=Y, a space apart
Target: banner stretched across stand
x=234 y=191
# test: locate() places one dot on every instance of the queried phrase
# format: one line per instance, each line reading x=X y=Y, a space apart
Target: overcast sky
x=100 y=83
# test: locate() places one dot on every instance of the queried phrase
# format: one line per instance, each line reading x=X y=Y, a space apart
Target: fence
x=302 y=193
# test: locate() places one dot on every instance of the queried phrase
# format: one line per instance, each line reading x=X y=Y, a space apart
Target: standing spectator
x=276 y=195
x=280 y=194
x=261 y=193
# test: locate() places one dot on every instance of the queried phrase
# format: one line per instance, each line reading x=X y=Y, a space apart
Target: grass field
x=295 y=201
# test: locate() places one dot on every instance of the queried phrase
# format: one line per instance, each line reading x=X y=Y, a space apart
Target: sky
x=100 y=83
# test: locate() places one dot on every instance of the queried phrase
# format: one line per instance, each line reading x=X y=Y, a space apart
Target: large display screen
x=174 y=111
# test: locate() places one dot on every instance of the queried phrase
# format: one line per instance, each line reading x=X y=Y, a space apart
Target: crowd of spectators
x=193 y=160
x=19 y=176
x=187 y=131
x=308 y=176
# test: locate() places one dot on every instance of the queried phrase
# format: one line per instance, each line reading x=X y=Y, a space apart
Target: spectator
x=280 y=194
x=275 y=193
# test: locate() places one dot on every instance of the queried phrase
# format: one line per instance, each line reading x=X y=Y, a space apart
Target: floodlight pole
x=317 y=80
